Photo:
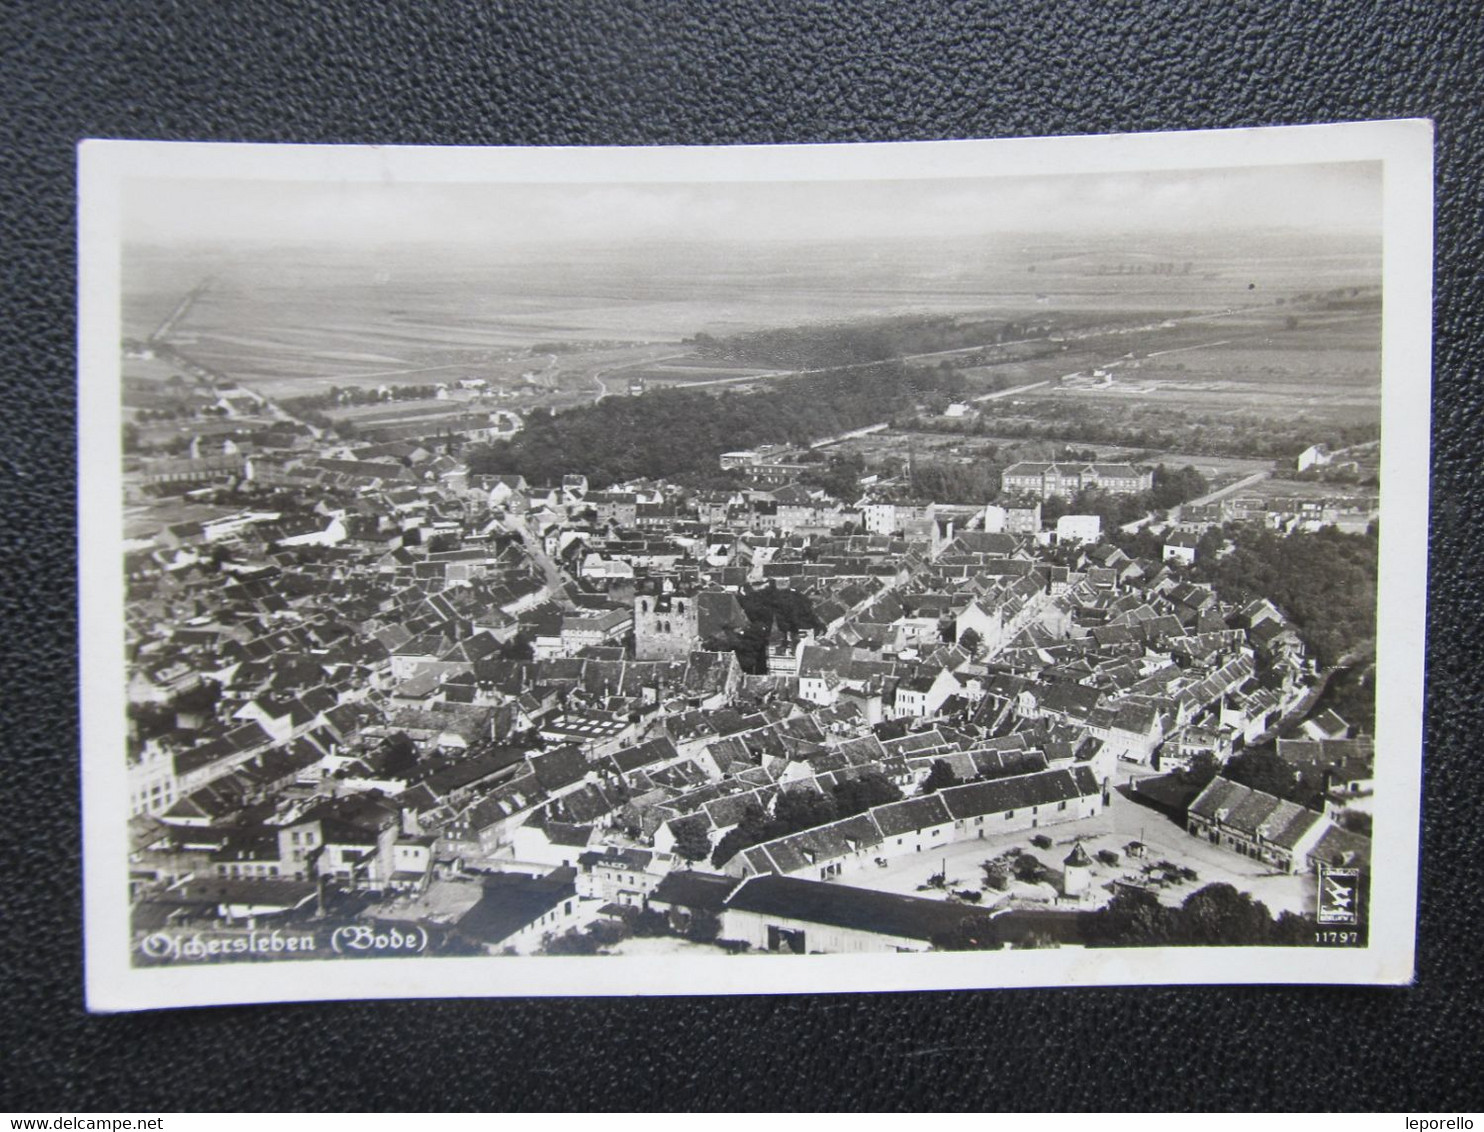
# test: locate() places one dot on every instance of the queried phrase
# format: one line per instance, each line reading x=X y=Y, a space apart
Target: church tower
x=666 y=626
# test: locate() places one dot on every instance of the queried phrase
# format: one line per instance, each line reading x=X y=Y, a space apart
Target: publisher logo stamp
x=1339 y=895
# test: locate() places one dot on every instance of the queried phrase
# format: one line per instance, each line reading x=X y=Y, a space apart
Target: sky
x=1339 y=198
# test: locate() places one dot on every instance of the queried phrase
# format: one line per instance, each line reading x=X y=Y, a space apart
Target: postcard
x=758 y=569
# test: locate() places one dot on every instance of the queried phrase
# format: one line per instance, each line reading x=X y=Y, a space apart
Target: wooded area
x=854 y=343
x=1324 y=581
x=671 y=433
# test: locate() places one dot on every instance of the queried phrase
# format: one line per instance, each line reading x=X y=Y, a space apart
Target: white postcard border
x=1405 y=148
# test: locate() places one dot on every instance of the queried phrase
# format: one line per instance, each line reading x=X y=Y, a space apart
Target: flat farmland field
x=1327 y=366
x=1279 y=489
x=320 y=314
x=1275 y=401
x=1338 y=360
x=141 y=371
x=1218 y=469
x=402 y=410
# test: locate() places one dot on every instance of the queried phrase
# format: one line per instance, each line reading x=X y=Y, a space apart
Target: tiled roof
x=841 y=906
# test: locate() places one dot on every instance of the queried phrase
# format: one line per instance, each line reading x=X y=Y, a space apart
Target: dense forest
x=1325 y=582
x=672 y=433
x=857 y=343
x=1351 y=693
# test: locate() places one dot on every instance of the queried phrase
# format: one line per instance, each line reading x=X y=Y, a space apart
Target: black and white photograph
x=717 y=570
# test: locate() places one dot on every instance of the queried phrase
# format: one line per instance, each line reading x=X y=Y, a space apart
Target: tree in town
x=749 y=830
x=1029 y=869
x=975 y=932
x=801 y=809
x=704 y=927
x=1200 y=770
x=1262 y=769
x=1219 y=914
x=750 y=644
x=859 y=794
x=1356 y=821
x=940 y=777
x=1324 y=581
x=1136 y=918
x=519 y=647
x=589 y=941
x=691 y=840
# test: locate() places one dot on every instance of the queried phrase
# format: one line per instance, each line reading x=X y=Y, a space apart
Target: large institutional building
x=1045 y=480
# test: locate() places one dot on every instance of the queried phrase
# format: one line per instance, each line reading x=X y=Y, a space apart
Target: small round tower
x=1076 y=876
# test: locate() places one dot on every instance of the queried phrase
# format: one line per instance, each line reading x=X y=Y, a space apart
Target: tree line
x=1218 y=915
x=338 y=395
x=855 y=343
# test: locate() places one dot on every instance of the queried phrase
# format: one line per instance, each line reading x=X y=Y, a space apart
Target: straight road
x=555 y=579
x=881 y=425
x=995 y=396
x=1230 y=489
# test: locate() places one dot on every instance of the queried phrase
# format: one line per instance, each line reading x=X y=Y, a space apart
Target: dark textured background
x=577 y=74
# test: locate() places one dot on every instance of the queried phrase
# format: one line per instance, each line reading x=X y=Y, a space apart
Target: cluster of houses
x=1351 y=512
x=365 y=681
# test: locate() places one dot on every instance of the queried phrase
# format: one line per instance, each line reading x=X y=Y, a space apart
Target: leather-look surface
x=571 y=74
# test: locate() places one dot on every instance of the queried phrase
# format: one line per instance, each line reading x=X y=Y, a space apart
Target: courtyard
x=1120 y=823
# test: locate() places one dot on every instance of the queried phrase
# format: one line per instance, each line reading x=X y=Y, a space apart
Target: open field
x=286 y=318
x=1275 y=489
x=1268 y=369
x=404 y=410
x=143 y=371
x=1217 y=335
x=1217 y=469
